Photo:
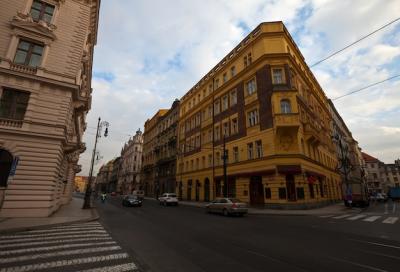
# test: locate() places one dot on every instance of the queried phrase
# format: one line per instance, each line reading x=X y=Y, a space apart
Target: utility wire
x=366 y=87
x=357 y=41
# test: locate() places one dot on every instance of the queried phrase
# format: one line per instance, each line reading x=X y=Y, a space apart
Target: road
x=187 y=239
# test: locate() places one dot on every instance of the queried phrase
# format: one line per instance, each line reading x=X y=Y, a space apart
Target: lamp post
x=88 y=193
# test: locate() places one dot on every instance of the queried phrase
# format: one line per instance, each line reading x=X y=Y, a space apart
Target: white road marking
x=47 y=234
x=114 y=268
x=48 y=248
x=326 y=216
x=372 y=218
x=390 y=220
x=356 y=217
x=358 y=264
x=78 y=225
x=60 y=230
x=376 y=244
x=41 y=243
x=61 y=263
x=52 y=238
x=58 y=254
x=342 y=216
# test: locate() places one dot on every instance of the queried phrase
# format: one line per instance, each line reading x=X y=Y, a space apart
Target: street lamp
x=88 y=193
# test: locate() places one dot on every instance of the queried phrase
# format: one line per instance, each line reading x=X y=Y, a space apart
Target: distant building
x=80 y=183
x=130 y=165
x=46 y=57
x=115 y=174
x=103 y=178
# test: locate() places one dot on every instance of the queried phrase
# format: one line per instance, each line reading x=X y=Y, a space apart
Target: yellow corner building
x=263 y=102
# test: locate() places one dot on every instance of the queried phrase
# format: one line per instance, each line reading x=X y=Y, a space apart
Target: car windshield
x=171 y=195
x=131 y=197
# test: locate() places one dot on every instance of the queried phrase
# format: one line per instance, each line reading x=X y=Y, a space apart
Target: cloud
x=146 y=57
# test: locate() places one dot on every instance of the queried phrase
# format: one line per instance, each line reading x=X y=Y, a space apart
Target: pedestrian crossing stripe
x=390 y=220
x=47 y=234
x=342 y=216
x=356 y=217
x=52 y=238
x=372 y=218
x=114 y=268
x=55 y=242
x=364 y=217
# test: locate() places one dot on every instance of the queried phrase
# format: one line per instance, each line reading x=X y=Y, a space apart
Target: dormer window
x=42 y=11
x=28 y=53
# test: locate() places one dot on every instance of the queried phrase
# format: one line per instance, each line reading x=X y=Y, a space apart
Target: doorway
x=290 y=187
x=6 y=161
x=256 y=191
x=189 y=190
x=197 y=190
x=206 y=190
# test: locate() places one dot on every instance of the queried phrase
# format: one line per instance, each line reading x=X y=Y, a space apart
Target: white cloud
x=157 y=54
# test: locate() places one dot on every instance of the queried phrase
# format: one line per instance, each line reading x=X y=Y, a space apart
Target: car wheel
x=225 y=212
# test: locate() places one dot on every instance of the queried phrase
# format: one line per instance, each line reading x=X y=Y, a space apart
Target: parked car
x=138 y=193
x=394 y=193
x=168 y=199
x=227 y=206
x=132 y=201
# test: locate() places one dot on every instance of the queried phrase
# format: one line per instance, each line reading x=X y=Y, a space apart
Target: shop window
x=300 y=193
x=268 y=193
x=311 y=189
x=282 y=193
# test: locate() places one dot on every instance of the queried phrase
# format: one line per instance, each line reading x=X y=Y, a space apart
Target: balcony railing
x=23 y=68
x=10 y=123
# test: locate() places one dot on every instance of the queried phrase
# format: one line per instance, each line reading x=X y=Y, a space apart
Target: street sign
x=14 y=166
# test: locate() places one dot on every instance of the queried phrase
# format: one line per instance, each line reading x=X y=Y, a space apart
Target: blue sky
x=146 y=57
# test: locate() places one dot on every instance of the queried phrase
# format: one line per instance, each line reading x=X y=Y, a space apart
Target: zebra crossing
x=384 y=219
x=85 y=247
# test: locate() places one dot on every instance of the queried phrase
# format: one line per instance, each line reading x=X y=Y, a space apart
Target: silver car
x=227 y=206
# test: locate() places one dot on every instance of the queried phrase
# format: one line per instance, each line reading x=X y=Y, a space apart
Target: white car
x=168 y=199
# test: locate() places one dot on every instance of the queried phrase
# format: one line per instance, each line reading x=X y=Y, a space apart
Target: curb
x=93 y=217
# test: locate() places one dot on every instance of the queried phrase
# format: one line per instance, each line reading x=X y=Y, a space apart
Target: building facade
x=131 y=163
x=264 y=105
x=46 y=56
x=148 y=172
x=103 y=178
x=80 y=183
x=166 y=150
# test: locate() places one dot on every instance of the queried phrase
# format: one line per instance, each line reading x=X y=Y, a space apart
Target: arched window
x=285 y=106
x=6 y=160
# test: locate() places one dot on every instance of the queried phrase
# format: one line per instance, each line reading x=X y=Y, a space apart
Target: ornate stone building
x=166 y=150
x=130 y=165
x=264 y=104
x=46 y=54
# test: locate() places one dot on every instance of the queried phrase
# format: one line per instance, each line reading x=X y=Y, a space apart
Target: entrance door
x=256 y=191
x=206 y=190
x=291 y=187
x=180 y=190
x=189 y=191
x=197 y=190
x=5 y=166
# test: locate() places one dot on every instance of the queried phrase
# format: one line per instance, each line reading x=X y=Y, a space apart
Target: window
x=210 y=88
x=259 y=151
x=28 y=53
x=216 y=133
x=13 y=104
x=209 y=135
x=300 y=192
x=282 y=193
x=210 y=160
x=198 y=119
x=197 y=164
x=250 y=154
x=225 y=130
x=235 y=154
x=251 y=86
x=268 y=193
x=216 y=83
x=197 y=144
x=247 y=60
x=225 y=77
x=203 y=164
x=216 y=107
x=285 y=106
x=225 y=102
x=234 y=126
x=41 y=11
x=233 y=97
x=233 y=71
x=277 y=76
x=217 y=158
x=210 y=111
x=252 y=118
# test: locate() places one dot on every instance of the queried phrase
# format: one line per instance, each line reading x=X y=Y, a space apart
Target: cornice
x=25 y=22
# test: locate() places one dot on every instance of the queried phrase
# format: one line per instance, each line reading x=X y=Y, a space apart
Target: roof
x=369 y=158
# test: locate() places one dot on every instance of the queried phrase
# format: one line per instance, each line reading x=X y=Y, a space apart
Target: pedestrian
x=103 y=197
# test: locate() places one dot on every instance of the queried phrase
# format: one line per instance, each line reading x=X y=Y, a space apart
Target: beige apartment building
x=46 y=54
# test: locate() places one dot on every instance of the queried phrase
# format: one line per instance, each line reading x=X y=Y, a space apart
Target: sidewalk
x=67 y=214
x=337 y=208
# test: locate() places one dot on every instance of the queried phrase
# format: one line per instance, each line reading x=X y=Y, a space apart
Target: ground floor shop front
x=282 y=186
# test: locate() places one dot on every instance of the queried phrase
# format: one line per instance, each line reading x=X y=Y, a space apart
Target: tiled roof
x=369 y=158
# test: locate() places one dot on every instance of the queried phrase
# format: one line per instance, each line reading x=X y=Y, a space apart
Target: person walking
x=103 y=197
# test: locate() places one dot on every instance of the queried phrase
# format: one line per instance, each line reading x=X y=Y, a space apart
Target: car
x=139 y=193
x=227 y=206
x=113 y=194
x=168 y=199
x=131 y=201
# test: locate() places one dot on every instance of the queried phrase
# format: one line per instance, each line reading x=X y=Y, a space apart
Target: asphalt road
x=182 y=238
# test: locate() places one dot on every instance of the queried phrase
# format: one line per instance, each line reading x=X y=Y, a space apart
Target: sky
x=150 y=52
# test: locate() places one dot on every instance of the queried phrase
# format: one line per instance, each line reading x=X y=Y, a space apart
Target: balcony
x=23 y=68
x=10 y=123
x=287 y=121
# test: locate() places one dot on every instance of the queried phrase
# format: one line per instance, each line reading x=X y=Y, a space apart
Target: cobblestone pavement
x=75 y=247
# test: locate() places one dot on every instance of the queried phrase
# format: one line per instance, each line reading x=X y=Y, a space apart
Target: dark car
x=132 y=201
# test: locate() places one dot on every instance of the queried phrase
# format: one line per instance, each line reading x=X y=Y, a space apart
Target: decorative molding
x=25 y=22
